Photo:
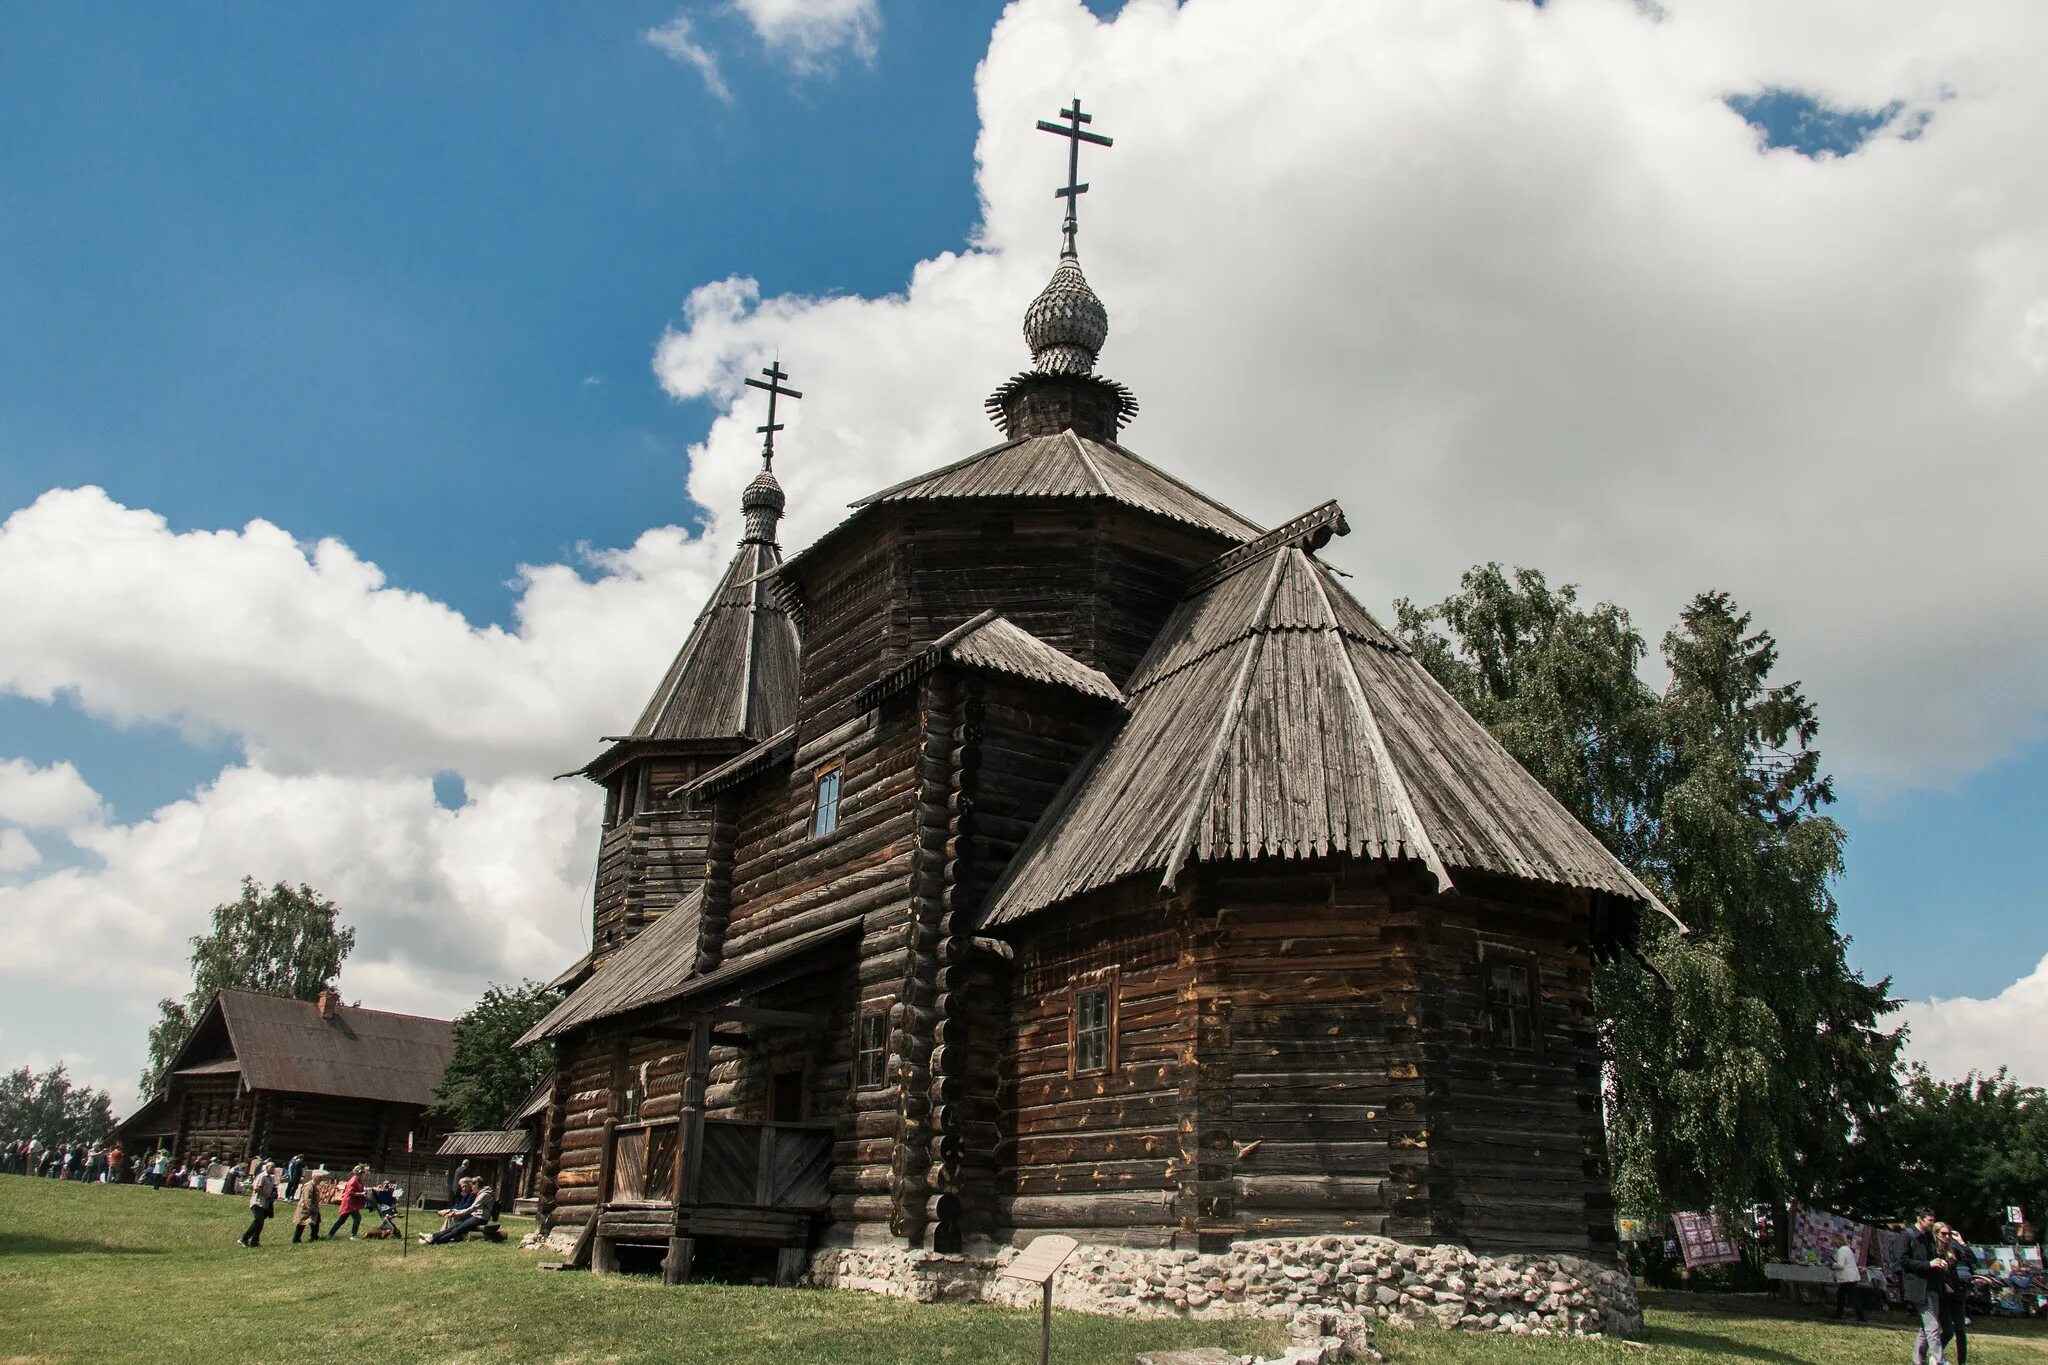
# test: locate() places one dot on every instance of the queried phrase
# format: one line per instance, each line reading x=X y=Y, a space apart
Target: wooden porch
x=758 y=1184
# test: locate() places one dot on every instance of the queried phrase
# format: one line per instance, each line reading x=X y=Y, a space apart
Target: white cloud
x=17 y=851
x=1515 y=284
x=807 y=32
x=55 y=797
x=1954 y=1037
x=305 y=653
x=678 y=40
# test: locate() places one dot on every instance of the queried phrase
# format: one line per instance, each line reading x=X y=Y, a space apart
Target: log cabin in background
x=274 y=1077
x=1097 y=864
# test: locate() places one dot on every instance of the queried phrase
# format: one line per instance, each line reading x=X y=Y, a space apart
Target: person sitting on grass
x=469 y=1217
x=350 y=1205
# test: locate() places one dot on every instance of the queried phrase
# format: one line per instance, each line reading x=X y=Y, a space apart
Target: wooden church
x=1050 y=847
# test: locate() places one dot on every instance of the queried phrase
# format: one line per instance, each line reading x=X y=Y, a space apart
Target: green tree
x=1966 y=1148
x=51 y=1106
x=488 y=1077
x=284 y=941
x=1741 y=1064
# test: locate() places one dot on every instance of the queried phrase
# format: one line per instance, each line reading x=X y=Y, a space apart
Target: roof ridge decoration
x=1311 y=530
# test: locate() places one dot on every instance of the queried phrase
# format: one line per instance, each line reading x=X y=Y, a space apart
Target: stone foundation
x=1323 y=1286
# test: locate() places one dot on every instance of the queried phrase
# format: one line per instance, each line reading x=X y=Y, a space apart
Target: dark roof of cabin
x=486 y=1142
x=1273 y=717
x=658 y=960
x=990 y=644
x=736 y=674
x=1070 y=466
x=283 y=1044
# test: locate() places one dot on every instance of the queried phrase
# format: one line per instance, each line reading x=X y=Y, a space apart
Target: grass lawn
x=93 y=1273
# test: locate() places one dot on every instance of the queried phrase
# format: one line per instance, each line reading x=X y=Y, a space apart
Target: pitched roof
x=1273 y=717
x=991 y=644
x=486 y=1142
x=284 y=1044
x=659 y=959
x=1070 y=466
x=736 y=674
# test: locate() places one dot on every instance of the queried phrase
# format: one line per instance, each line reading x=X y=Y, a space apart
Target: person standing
x=294 y=1171
x=262 y=1199
x=1923 y=1272
x=350 y=1205
x=306 y=1213
x=1848 y=1280
x=456 y=1178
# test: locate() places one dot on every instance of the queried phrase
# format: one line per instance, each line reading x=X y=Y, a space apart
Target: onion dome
x=1066 y=324
x=762 y=502
x=1065 y=327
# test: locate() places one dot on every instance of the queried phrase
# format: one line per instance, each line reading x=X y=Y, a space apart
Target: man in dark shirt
x=1923 y=1272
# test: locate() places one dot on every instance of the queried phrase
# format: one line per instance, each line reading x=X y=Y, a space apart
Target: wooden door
x=629 y=1164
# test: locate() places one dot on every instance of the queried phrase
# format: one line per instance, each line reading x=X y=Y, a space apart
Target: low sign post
x=1039 y=1263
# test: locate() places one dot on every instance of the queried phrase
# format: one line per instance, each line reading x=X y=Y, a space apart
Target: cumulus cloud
x=1517 y=284
x=807 y=32
x=18 y=852
x=55 y=797
x=1954 y=1037
x=305 y=652
x=678 y=39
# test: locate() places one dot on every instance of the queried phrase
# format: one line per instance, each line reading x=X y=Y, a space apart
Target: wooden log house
x=1097 y=865
x=270 y=1076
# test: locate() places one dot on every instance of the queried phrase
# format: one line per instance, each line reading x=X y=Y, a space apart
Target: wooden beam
x=755 y=1014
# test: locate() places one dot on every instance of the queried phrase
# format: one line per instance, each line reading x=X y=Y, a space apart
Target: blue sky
x=396 y=275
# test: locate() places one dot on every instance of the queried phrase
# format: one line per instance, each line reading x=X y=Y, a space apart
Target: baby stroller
x=384 y=1199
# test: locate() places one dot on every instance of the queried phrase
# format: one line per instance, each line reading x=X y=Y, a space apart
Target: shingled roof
x=987 y=643
x=286 y=1045
x=736 y=674
x=1066 y=465
x=658 y=960
x=1273 y=717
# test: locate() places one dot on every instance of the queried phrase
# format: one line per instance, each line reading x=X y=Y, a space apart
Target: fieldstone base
x=1326 y=1287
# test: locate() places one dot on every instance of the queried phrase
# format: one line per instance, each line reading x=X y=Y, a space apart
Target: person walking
x=262 y=1199
x=160 y=1168
x=1955 y=1298
x=1923 y=1272
x=1848 y=1280
x=350 y=1205
x=294 y=1171
x=306 y=1215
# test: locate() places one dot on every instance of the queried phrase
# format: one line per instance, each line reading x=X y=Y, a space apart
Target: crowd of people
x=473 y=1205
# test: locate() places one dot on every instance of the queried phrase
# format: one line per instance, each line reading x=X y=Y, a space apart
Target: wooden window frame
x=836 y=770
x=1498 y=954
x=879 y=1051
x=1109 y=981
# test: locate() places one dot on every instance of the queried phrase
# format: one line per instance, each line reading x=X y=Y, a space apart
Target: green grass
x=91 y=1273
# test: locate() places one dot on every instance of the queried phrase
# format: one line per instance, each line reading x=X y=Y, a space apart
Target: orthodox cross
x=1075 y=135
x=776 y=374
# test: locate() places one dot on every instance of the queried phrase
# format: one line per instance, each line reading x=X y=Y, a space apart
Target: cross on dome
x=776 y=374
x=1075 y=135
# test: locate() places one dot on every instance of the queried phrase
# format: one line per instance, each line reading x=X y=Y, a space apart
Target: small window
x=871 y=1066
x=1092 y=1017
x=825 y=802
x=1510 y=999
x=786 y=1097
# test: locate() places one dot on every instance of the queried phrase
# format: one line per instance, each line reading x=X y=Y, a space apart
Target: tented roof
x=1273 y=717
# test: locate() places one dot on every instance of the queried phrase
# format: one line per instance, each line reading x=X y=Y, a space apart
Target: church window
x=871 y=1066
x=1510 y=982
x=1092 y=1026
x=825 y=801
